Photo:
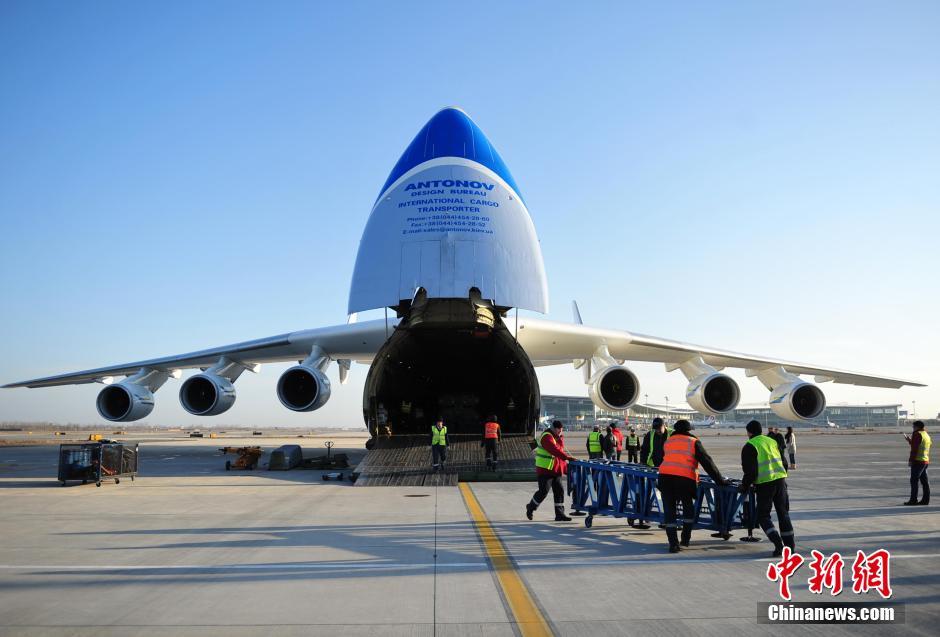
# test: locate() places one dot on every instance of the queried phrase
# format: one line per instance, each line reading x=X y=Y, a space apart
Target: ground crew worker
x=763 y=466
x=491 y=437
x=774 y=432
x=651 y=454
x=551 y=462
x=438 y=445
x=678 y=481
x=652 y=449
x=633 y=445
x=594 y=447
x=918 y=461
x=609 y=443
x=618 y=439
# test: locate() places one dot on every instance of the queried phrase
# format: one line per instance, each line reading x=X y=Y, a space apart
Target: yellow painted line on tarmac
x=525 y=611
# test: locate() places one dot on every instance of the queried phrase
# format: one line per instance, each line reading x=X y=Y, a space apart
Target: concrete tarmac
x=189 y=549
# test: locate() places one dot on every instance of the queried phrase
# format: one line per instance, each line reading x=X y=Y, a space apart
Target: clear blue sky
x=175 y=176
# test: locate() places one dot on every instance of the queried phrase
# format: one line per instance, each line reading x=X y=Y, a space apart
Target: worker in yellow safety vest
x=594 y=447
x=491 y=438
x=763 y=465
x=918 y=461
x=438 y=445
x=551 y=463
x=632 y=442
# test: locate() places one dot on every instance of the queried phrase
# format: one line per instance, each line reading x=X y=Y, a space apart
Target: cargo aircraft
x=451 y=251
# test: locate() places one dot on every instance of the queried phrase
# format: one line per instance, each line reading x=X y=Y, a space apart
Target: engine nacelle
x=713 y=393
x=303 y=388
x=207 y=395
x=614 y=388
x=124 y=402
x=797 y=400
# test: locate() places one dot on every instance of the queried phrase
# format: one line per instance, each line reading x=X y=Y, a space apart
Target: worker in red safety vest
x=491 y=438
x=618 y=440
x=551 y=463
x=678 y=480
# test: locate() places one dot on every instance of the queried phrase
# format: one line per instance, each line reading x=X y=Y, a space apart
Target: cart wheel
x=117 y=481
x=228 y=465
x=589 y=521
x=97 y=484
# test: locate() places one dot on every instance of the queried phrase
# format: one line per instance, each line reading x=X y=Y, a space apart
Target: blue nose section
x=451 y=133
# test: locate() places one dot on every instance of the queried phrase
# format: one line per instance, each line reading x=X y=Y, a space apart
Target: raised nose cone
x=450 y=133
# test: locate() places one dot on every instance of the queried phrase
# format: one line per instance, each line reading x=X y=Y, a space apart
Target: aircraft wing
x=354 y=341
x=553 y=343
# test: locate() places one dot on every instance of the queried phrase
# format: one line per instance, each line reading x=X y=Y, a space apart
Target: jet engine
x=303 y=387
x=712 y=393
x=797 y=400
x=207 y=394
x=614 y=388
x=124 y=402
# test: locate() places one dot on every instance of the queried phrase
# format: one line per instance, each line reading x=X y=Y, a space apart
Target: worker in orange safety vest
x=678 y=480
x=490 y=443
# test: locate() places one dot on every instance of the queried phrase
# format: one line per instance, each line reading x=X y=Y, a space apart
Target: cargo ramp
x=406 y=461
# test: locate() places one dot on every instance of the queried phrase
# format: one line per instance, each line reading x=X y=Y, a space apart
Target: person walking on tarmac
x=618 y=439
x=551 y=463
x=765 y=467
x=609 y=443
x=918 y=461
x=790 y=439
x=678 y=481
x=595 y=448
x=490 y=442
x=633 y=445
x=438 y=445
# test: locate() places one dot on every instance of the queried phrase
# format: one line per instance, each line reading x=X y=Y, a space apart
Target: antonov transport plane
x=450 y=248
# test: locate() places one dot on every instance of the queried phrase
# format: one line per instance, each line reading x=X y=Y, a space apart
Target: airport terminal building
x=579 y=409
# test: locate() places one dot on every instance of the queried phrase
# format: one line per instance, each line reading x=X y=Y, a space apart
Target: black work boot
x=686 y=535
x=778 y=544
x=673 y=540
x=926 y=499
x=529 y=509
x=560 y=514
x=789 y=540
